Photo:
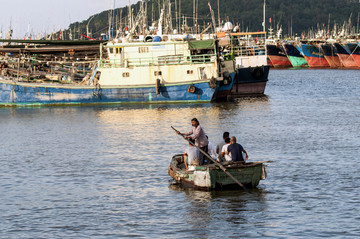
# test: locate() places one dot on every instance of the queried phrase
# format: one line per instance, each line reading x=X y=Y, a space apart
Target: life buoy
x=149 y=39
x=257 y=72
x=191 y=89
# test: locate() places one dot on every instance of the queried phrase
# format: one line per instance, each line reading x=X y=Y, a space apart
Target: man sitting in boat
x=211 y=149
x=191 y=156
x=220 y=146
x=236 y=151
x=224 y=155
x=200 y=139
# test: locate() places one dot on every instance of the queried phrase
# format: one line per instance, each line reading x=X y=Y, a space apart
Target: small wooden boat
x=211 y=177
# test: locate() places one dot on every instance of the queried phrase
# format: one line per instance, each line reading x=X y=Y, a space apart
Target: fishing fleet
x=315 y=53
x=134 y=68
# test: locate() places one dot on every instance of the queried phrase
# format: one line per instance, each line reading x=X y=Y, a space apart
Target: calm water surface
x=101 y=172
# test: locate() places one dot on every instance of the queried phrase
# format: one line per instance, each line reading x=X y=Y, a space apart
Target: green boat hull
x=211 y=177
x=298 y=61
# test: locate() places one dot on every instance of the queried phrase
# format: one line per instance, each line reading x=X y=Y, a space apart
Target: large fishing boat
x=178 y=70
x=294 y=55
x=330 y=55
x=252 y=69
x=277 y=55
x=354 y=49
x=345 y=56
x=245 y=60
x=313 y=55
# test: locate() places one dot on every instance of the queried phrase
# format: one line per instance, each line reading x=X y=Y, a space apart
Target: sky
x=39 y=16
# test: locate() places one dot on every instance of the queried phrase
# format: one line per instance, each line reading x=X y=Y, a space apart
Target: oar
x=215 y=162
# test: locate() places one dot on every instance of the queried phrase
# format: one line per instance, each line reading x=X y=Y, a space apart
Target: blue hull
x=314 y=56
x=23 y=94
x=311 y=51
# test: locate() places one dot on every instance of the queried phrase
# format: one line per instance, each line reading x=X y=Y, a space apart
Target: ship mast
x=194 y=9
x=112 y=23
x=176 y=17
x=130 y=17
x=219 y=13
x=180 y=16
x=264 y=25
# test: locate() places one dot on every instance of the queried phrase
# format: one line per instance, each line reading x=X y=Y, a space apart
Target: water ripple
x=101 y=172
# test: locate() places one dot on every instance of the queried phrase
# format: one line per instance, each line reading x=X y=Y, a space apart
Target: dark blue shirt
x=236 y=152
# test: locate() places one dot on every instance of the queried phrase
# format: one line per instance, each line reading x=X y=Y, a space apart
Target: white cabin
x=143 y=63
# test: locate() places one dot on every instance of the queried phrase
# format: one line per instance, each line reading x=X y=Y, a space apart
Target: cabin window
x=111 y=50
x=157 y=73
x=126 y=74
x=117 y=50
x=190 y=72
x=143 y=49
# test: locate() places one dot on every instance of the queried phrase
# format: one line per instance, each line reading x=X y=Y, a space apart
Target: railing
x=159 y=61
x=249 y=50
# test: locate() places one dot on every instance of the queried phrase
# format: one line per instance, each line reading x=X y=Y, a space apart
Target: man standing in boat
x=198 y=134
x=236 y=151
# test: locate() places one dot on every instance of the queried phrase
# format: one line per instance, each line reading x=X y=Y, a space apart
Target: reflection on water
x=219 y=209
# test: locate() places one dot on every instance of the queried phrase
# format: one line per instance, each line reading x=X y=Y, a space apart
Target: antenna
x=113 y=19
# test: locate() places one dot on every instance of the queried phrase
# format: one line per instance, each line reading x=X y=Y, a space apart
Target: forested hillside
x=295 y=16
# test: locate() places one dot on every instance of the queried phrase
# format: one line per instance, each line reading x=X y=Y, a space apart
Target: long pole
x=194 y=10
x=264 y=28
x=130 y=22
x=180 y=16
x=87 y=26
x=215 y=162
x=176 y=17
x=197 y=9
x=113 y=19
x=219 y=13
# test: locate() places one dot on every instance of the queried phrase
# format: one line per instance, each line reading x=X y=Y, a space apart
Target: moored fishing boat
x=344 y=56
x=354 y=49
x=330 y=55
x=163 y=71
x=277 y=56
x=251 y=65
x=247 y=60
x=294 y=55
x=210 y=177
x=313 y=55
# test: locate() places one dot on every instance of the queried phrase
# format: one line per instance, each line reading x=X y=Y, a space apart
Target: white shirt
x=212 y=150
x=192 y=154
x=226 y=156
